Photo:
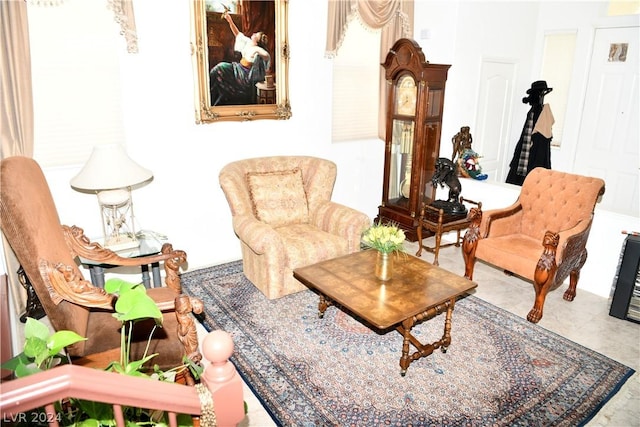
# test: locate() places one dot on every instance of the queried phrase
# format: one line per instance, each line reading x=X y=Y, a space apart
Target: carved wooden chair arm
x=65 y=284
x=574 y=240
x=580 y=228
x=80 y=245
x=546 y=266
x=495 y=214
x=186 y=306
x=489 y=217
x=571 y=259
x=566 y=249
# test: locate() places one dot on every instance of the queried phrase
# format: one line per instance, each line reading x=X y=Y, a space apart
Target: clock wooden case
x=414 y=103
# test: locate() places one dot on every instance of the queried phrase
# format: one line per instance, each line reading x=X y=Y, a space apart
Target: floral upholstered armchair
x=284 y=217
x=542 y=237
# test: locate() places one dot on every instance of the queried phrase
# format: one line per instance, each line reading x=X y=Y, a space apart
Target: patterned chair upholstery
x=284 y=217
x=542 y=237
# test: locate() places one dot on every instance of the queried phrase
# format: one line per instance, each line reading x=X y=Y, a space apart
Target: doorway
x=609 y=133
x=494 y=115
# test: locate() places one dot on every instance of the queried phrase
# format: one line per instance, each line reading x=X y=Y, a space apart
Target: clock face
x=406 y=94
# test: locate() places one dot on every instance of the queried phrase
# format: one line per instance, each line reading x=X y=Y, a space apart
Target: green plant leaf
x=25 y=370
x=184 y=420
x=196 y=369
x=115 y=367
x=36 y=348
x=14 y=362
x=41 y=348
x=90 y=423
x=133 y=368
x=118 y=286
x=136 y=305
x=36 y=329
x=62 y=339
x=95 y=410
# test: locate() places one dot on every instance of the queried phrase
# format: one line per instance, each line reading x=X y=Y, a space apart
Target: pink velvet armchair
x=542 y=237
x=283 y=215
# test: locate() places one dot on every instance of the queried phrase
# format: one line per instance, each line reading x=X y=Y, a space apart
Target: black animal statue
x=447 y=174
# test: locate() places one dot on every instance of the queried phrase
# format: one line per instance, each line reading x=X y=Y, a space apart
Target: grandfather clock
x=415 y=96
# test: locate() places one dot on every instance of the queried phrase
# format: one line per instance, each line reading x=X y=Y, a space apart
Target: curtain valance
x=394 y=16
x=123 y=11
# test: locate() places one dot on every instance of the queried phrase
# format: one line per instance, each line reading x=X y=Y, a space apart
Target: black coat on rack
x=538 y=152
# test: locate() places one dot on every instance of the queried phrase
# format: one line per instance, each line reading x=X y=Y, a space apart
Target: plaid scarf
x=523 y=161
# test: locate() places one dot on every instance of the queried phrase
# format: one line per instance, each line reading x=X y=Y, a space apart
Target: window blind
x=356 y=71
x=76 y=80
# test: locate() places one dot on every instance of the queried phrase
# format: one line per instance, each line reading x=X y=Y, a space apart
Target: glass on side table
x=150 y=244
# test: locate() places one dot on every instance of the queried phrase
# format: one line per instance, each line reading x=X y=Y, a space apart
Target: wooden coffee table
x=418 y=291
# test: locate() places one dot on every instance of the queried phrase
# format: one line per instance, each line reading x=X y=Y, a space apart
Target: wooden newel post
x=222 y=379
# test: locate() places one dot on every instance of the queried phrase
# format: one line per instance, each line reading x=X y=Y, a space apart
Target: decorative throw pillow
x=278 y=198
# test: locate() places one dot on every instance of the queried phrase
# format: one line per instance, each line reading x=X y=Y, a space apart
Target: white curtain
x=16 y=121
x=394 y=17
x=16 y=128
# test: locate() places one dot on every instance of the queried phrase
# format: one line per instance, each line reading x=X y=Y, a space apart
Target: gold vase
x=384 y=266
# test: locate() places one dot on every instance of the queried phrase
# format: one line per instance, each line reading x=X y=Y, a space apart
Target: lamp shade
x=109 y=167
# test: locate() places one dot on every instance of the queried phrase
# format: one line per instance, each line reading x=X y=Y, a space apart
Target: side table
x=150 y=244
x=266 y=94
x=438 y=222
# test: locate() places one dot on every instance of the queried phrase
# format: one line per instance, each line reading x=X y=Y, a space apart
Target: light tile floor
x=586 y=321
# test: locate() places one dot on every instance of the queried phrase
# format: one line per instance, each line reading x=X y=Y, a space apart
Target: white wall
x=185 y=201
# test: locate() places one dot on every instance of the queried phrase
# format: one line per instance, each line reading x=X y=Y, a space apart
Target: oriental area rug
x=499 y=370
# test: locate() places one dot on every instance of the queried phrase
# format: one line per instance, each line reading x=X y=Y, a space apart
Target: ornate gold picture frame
x=215 y=59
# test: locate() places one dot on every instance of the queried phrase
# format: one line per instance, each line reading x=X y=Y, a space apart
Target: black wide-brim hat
x=539 y=86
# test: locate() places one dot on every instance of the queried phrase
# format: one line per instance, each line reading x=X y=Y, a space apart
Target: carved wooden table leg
x=405 y=330
x=424 y=350
x=446 y=336
x=323 y=305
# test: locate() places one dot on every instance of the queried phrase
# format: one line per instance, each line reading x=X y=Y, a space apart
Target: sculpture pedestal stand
x=454 y=208
x=440 y=217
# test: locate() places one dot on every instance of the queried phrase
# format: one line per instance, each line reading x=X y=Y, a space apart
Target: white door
x=491 y=138
x=609 y=133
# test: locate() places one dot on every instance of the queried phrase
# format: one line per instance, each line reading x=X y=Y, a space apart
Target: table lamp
x=110 y=173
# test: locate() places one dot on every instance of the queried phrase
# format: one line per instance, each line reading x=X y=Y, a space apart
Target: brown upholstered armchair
x=47 y=252
x=285 y=219
x=542 y=237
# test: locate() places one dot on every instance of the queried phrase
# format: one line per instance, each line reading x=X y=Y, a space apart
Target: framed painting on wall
x=240 y=53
